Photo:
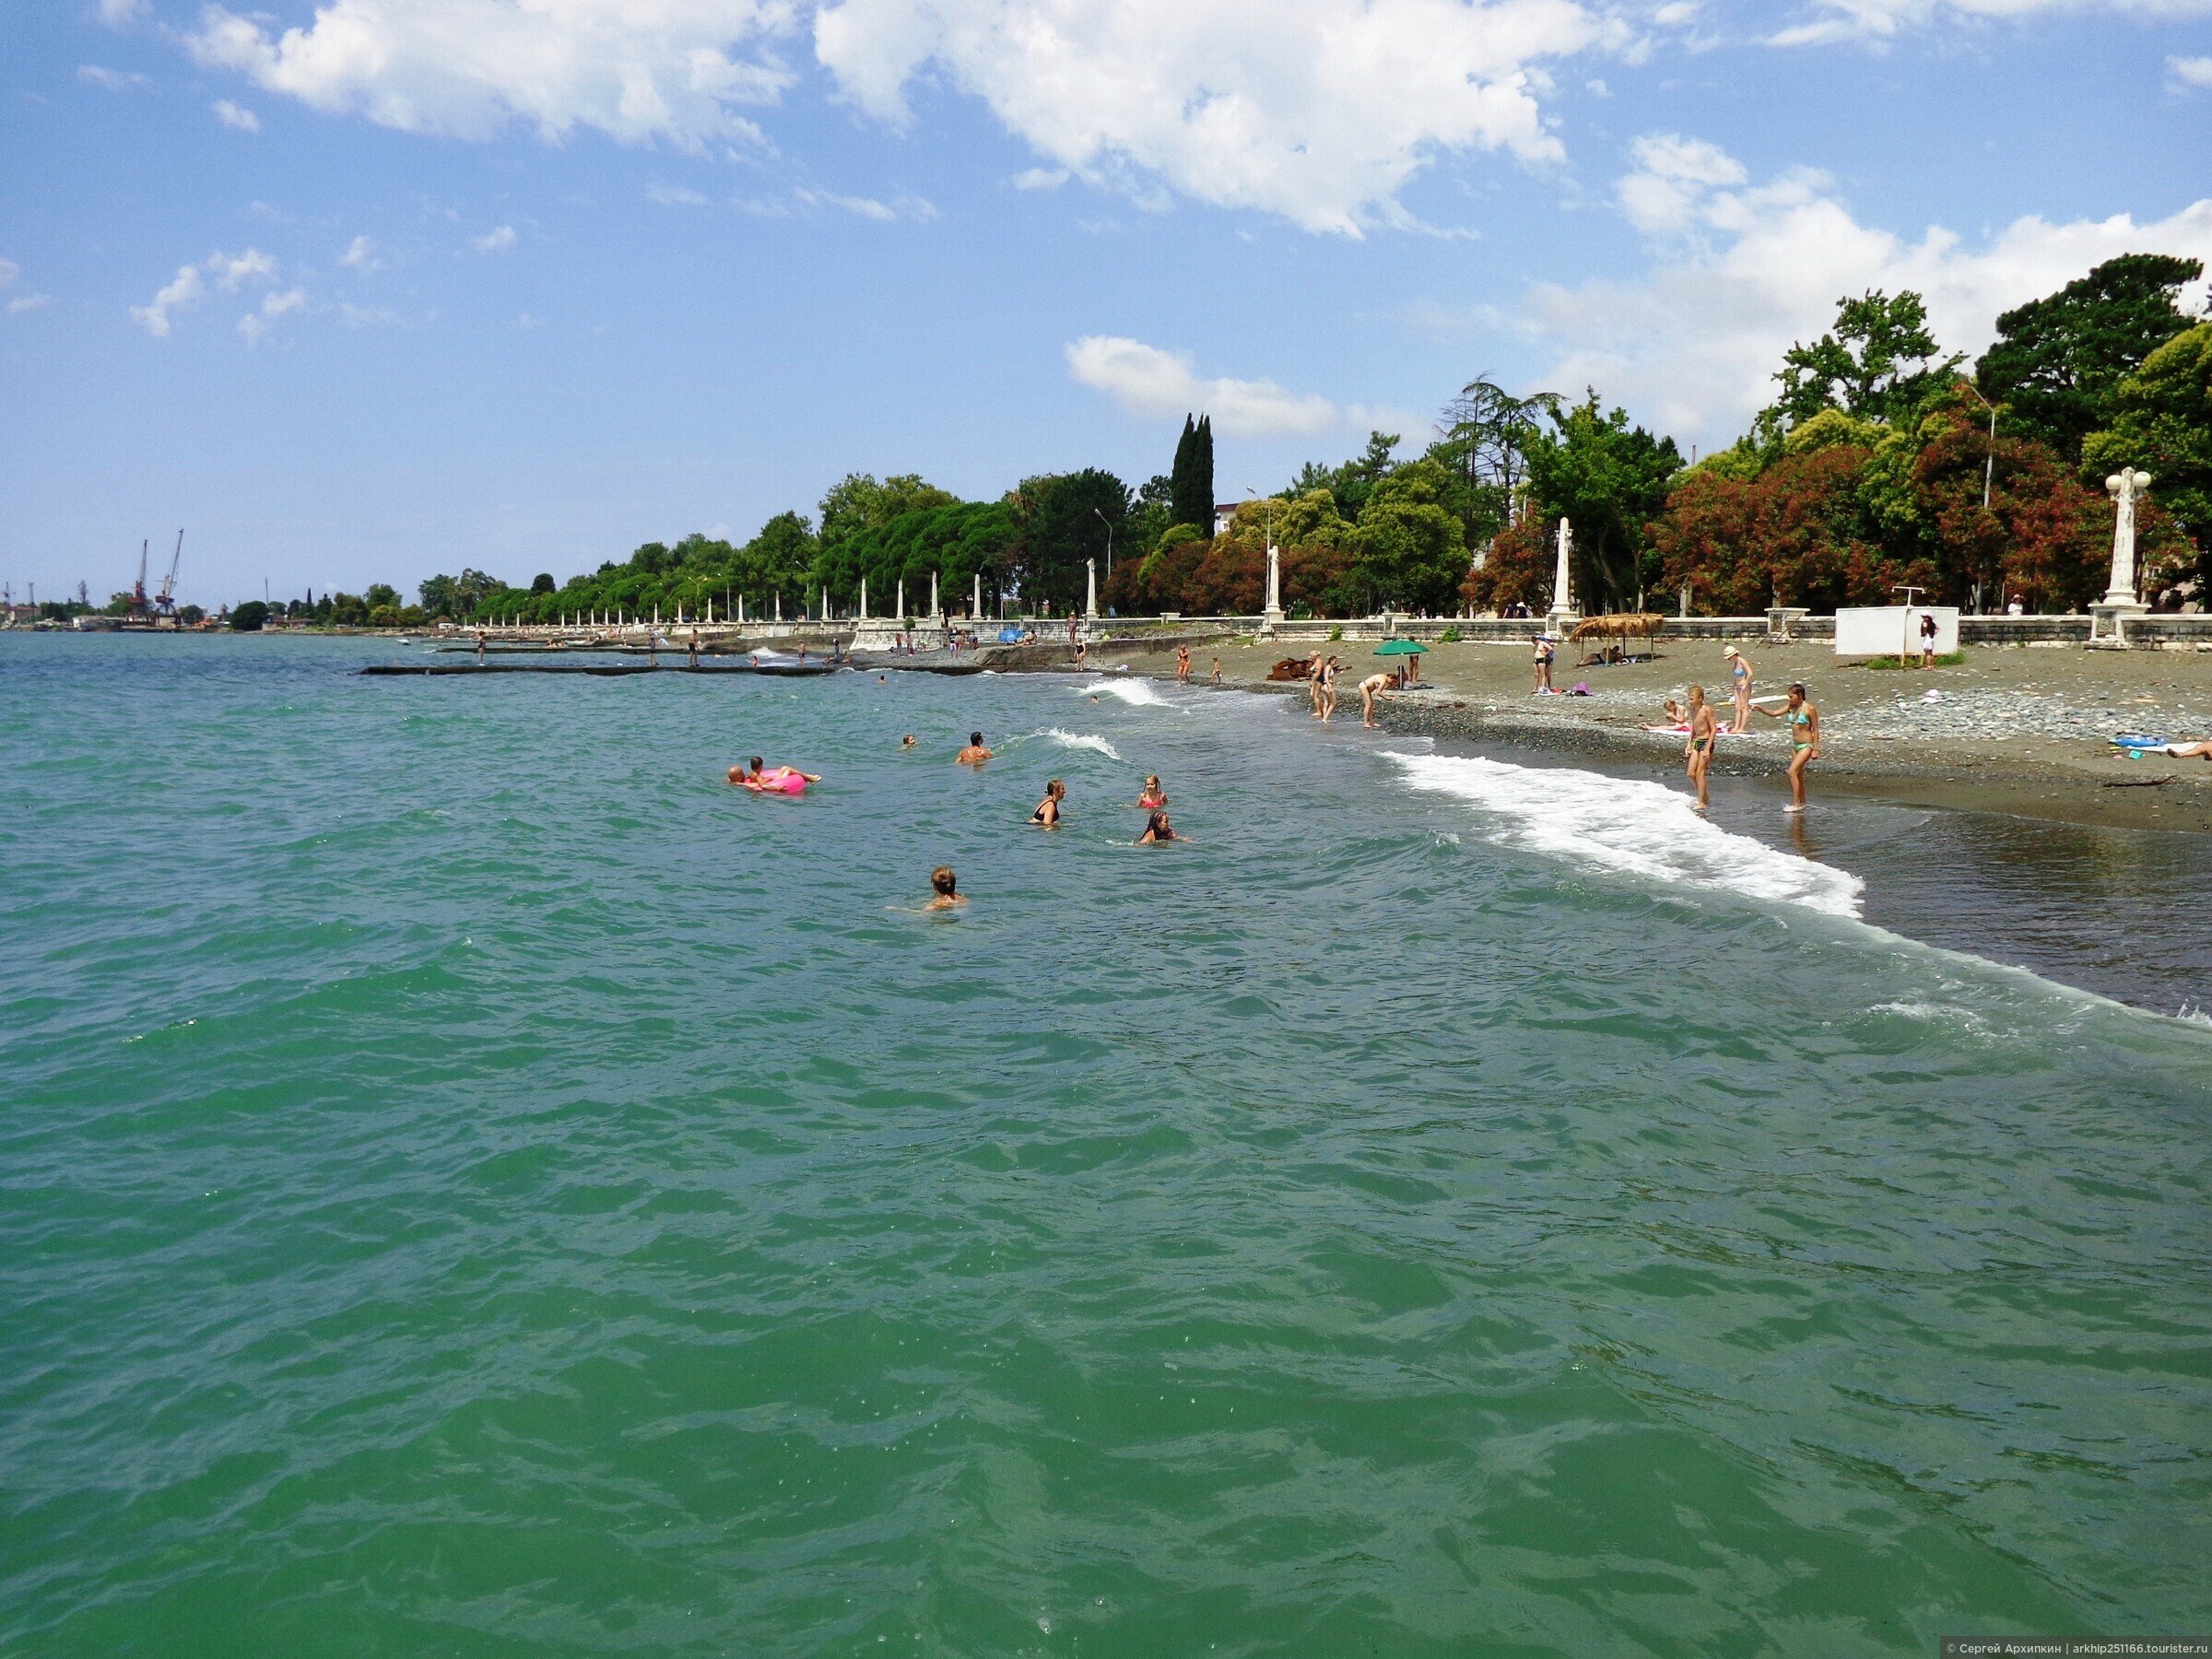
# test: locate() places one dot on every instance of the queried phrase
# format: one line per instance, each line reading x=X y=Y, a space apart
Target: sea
x=473 y=1183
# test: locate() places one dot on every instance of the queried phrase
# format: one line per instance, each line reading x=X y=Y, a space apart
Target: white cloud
x=525 y=323
x=255 y=324
x=1040 y=178
x=675 y=195
x=909 y=209
x=654 y=72
x=2190 y=73
x=10 y=274
x=121 y=13
x=113 y=80
x=1319 y=110
x=494 y=241
x=1148 y=382
x=237 y=116
x=1879 y=20
x=1740 y=272
x=360 y=255
x=189 y=286
x=368 y=316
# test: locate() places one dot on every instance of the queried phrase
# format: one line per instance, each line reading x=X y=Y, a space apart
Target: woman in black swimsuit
x=1047 y=815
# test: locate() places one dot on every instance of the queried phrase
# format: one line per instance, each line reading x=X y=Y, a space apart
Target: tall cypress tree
x=1204 y=471
x=1182 y=478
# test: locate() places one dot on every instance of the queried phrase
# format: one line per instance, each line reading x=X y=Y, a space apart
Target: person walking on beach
x=692 y=648
x=1542 y=663
x=1047 y=815
x=1217 y=679
x=1697 y=754
x=1928 y=638
x=1329 y=671
x=1313 y=682
x=975 y=754
x=1182 y=664
x=945 y=885
x=1082 y=654
x=480 y=648
x=1368 y=688
x=1739 y=675
x=1804 y=721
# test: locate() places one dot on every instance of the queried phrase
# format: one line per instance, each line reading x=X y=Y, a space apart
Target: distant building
x=1223 y=513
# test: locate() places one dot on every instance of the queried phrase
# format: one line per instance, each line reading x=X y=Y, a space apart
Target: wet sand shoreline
x=2016 y=731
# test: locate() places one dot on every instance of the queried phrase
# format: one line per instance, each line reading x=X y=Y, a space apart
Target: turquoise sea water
x=472 y=1182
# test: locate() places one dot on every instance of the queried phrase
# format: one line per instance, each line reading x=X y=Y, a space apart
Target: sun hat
x=1730 y=650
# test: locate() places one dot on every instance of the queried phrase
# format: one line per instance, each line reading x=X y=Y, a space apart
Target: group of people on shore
x=1702 y=729
x=1321 y=678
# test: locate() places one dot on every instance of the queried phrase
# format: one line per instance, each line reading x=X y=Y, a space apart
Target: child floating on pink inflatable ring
x=781 y=780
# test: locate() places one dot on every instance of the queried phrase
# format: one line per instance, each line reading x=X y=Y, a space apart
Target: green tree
x=542 y=583
x=2058 y=361
x=1064 y=518
x=2162 y=423
x=381 y=593
x=250 y=618
x=1409 y=550
x=1191 y=480
x=1879 y=361
x=1609 y=479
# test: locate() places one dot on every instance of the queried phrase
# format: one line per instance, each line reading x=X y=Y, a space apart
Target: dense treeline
x=1874 y=466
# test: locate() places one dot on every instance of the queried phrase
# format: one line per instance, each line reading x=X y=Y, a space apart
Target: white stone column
x=1562 y=591
x=863 y=599
x=900 y=613
x=933 y=595
x=1090 y=588
x=975 y=603
x=2124 y=487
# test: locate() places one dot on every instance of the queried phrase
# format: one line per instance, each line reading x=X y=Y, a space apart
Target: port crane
x=138 y=605
x=165 y=602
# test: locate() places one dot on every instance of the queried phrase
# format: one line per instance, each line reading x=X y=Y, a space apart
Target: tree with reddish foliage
x=1516 y=568
x=1799 y=532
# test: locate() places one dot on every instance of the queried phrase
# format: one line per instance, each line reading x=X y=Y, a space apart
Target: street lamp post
x=1109 y=524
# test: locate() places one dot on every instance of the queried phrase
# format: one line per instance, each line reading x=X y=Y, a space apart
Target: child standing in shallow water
x=1703 y=732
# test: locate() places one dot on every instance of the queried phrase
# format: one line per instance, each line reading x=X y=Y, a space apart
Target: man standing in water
x=1182 y=664
x=975 y=754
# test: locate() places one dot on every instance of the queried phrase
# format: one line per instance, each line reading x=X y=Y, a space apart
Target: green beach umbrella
x=1401 y=648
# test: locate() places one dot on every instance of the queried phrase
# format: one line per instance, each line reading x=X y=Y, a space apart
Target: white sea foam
x=1137 y=692
x=1632 y=826
x=1079 y=740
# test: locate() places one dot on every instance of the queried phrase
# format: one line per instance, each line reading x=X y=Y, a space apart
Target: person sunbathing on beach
x=1697 y=754
x=1368 y=688
x=2199 y=750
x=945 y=885
x=1152 y=796
x=1157 y=830
x=1672 y=712
x=1804 y=721
x=1047 y=815
x=975 y=754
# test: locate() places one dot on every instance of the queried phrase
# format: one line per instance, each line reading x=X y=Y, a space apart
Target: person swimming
x=1157 y=830
x=945 y=885
x=781 y=780
x=1152 y=795
x=907 y=742
x=1047 y=815
x=975 y=754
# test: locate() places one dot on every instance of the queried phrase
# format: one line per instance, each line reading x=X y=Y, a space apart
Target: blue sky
x=391 y=287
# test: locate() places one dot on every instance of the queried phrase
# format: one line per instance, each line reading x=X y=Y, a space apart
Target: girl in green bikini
x=1804 y=721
